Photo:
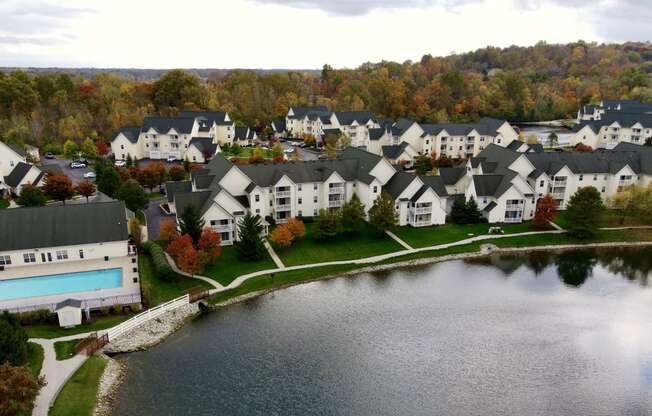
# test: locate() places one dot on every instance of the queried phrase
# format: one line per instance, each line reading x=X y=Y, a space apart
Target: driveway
x=155 y=216
x=76 y=175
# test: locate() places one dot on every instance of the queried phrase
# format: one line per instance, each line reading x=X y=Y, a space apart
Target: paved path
x=56 y=373
x=398 y=240
x=212 y=282
x=155 y=215
x=273 y=255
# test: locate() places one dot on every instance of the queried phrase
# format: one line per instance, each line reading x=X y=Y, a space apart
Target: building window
x=375 y=189
x=581 y=178
x=595 y=178
x=300 y=200
x=29 y=258
x=62 y=254
x=541 y=184
x=314 y=199
x=257 y=210
x=314 y=187
x=257 y=197
x=5 y=260
x=122 y=146
x=314 y=212
x=299 y=187
x=81 y=254
x=300 y=213
x=603 y=189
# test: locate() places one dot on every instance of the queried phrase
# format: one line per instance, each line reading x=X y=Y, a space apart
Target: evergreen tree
x=191 y=223
x=133 y=194
x=130 y=161
x=13 y=340
x=353 y=215
x=584 y=212
x=382 y=214
x=473 y=215
x=458 y=211
x=327 y=225
x=31 y=196
x=108 y=181
x=250 y=245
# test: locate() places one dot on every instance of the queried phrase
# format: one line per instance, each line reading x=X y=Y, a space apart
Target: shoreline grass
x=78 y=395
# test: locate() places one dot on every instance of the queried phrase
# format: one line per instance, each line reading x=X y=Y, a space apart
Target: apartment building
x=15 y=171
x=596 y=112
x=613 y=128
x=311 y=121
x=75 y=251
x=224 y=192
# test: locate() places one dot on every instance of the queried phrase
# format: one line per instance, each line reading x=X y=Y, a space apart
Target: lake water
x=544 y=334
x=563 y=135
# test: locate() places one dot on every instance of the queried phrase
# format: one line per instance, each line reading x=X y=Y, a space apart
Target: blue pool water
x=57 y=284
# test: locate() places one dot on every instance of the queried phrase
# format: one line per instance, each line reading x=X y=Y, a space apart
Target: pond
x=564 y=136
x=542 y=334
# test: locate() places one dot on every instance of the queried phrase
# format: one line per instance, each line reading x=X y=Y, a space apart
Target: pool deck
x=128 y=288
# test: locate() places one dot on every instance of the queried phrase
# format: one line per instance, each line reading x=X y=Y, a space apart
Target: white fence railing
x=149 y=314
x=93 y=303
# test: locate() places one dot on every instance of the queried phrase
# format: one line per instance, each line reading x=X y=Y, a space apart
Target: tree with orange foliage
x=179 y=245
x=191 y=260
x=210 y=243
x=153 y=175
x=86 y=188
x=58 y=187
x=281 y=236
x=546 y=211
x=168 y=230
x=296 y=227
x=278 y=159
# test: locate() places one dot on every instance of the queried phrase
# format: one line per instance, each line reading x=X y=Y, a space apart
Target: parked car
x=77 y=165
x=90 y=175
x=120 y=163
x=49 y=155
x=171 y=159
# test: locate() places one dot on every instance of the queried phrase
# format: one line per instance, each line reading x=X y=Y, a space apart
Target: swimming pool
x=57 y=284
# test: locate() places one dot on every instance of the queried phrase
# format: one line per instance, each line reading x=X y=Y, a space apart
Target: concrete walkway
x=56 y=373
x=398 y=240
x=208 y=280
x=375 y=259
x=273 y=255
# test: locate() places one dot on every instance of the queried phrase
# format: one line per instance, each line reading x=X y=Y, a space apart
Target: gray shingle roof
x=204 y=144
x=450 y=176
x=301 y=112
x=209 y=116
x=54 y=226
x=395 y=150
x=347 y=118
x=173 y=188
x=18 y=149
x=163 y=125
x=436 y=183
x=17 y=174
x=278 y=125
x=131 y=133
x=398 y=183
x=485 y=127
x=75 y=303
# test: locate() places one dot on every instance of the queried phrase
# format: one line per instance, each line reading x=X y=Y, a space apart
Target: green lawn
x=156 y=291
x=77 y=398
x=227 y=266
x=611 y=218
x=296 y=276
x=4 y=203
x=365 y=243
x=245 y=152
x=442 y=234
x=34 y=358
x=54 y=331
x=65 y=349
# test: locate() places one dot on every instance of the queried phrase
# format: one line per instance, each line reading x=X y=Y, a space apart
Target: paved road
x=76 y=175
x=154 y=216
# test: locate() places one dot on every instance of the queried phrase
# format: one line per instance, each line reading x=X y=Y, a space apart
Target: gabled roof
x=346 y=118
x=278 y=125
x=398 y=183
x=450 y=176
x=515 y=145
x=377 y=133
x=74 y=303
x=162 y=125
x=301 y=112
x=395 y=150
x=401 y=126
x=131 y=133
x=173 y=188
x=494 y=185
x=17 y=174
x=485 y=126
x=436 y=183
x=18 y=149
x=204 y=144
x=63 y=225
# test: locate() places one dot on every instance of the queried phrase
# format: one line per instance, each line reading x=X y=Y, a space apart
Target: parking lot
x=76 y=175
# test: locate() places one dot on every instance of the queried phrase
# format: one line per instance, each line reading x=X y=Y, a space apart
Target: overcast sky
x=295 y=33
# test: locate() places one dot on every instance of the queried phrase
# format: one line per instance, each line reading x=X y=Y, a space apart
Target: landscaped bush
x=161 y=266
x=13 y=341
x=41 y=316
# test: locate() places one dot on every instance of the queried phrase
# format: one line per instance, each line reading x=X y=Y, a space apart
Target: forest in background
x=542 y=82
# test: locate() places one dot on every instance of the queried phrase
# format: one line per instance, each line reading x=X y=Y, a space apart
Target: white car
x=77 y=165
x=90 y=175
x=171 y=159
x=120 y=163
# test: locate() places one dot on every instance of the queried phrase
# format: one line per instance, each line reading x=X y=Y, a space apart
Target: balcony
x=223 y=228
x=559 y=183
x=422 y=210
x=282 y=207
x=558 y=195
x=420 y=223
x=514 y=206
x=282 y=194
x=513 y=219
x=336 y=189
x=334 y=203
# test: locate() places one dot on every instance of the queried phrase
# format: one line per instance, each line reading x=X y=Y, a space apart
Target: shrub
x=296 y=227
x=161 y=266
x=282 y=236
x=13 y=340
x=41 y=316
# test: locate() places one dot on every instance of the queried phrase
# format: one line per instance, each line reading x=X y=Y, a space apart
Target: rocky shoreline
x=157 y=330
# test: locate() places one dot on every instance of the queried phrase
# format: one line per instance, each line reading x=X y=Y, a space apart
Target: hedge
x=161 y=266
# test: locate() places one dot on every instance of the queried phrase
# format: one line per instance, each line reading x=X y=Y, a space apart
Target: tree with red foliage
x=177 y=173
x=134 y=173
x=191 y=260
x=153 y=175
x=278 y=159
x=254 y=159
x=583 y=148
x=86 y=188
x=102 y=148
x=179 y=245
x=168 y=230
x=58 y=187
x=124 y=173
x=546 y=211
x=210 y=243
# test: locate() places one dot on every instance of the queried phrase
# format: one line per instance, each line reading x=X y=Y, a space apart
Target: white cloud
x=291 y=33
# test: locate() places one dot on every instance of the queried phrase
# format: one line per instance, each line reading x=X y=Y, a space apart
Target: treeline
x=541 y=82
